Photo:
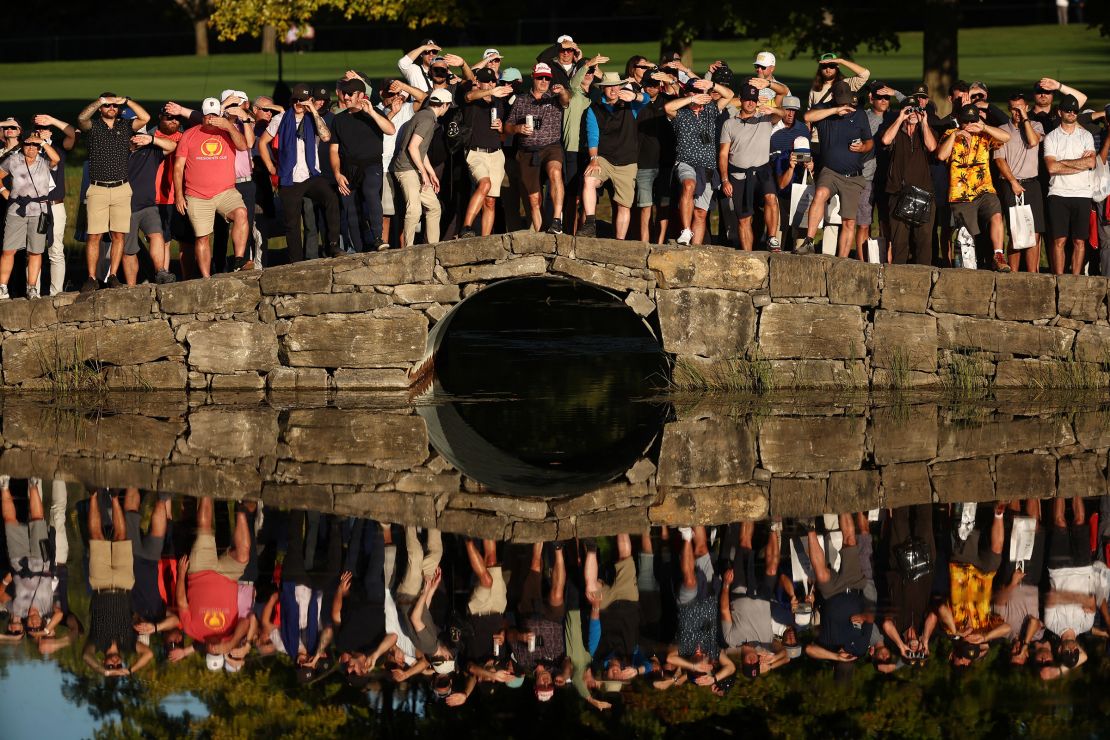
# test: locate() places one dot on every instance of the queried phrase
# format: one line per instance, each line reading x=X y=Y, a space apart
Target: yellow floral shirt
x=969 y=173
x=970 y=599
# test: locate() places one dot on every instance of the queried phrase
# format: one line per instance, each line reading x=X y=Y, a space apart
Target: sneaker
x=241 y=263
x=35 y=483
x=556 y=226
x=687 y=533
x=32 y=292
x=1000 y=263
x=967 y=520
x=773 y=244
x=162 y=277
x=467 y=233
x=5 y=480
x=4 y=293
x=89 y=285
x=685 y=238
x=588 y=229
x=806 y=247
x=112 y=282
x=334 y=250
x=381 y=245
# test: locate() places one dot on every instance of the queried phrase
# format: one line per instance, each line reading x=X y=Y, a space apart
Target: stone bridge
x=711 y=464
x=373 y=321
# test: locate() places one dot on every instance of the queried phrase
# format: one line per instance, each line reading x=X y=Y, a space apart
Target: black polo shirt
x=109 y=150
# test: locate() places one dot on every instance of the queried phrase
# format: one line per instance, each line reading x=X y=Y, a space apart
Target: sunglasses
x=494 y=59
x=760 y=66
x=644 y=66
x=828 y=66
x=566 y=51
x=109 y=105
x=11 y=128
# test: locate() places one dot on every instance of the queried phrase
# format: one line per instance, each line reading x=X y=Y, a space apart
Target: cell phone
x=857 y=141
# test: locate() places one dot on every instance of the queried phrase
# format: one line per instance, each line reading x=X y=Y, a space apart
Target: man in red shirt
x=207 y=597
x=204 y=183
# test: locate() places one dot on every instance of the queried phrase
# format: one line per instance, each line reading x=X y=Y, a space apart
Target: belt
x=241 y=180
x=1029 y=179
x=107 y=184
x=854 y=173
x=483 y=149
x=60 y=201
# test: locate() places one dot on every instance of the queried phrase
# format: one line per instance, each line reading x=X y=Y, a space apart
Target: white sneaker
x=685 y=238
x=35 y=483
x=5 y=480
x=32 y=292
x=3 y=292
x=687 y=533
x=967 y=520
x=773 y=244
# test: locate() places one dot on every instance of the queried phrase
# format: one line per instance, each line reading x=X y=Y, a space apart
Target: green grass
x=736 y=375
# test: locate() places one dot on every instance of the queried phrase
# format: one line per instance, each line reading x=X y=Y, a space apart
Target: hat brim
x=541 y=75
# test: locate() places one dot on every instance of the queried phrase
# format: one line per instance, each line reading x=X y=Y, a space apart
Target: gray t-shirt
x=874 y=120
x=751 y=622
x=1023 y=160
x=34 y=181
x=1023 y=603
x=424 y=124
x=749 y=141
x=427 y=639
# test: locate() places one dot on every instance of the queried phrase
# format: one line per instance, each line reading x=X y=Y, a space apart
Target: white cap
x=439 y=96
x=214 y=662
x=227 y=94
x=231 y=668
x=242 y=95
x=447 y=666
x=801 y=144
x=210 y=107
x=491 y=53
x=563 y=38
x=765 y=59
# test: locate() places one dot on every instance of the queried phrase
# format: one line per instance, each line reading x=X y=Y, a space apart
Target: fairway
x=1005 y=58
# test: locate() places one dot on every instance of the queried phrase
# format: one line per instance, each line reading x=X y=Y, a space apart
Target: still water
x=545 y=542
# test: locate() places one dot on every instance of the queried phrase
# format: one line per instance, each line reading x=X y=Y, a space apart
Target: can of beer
x=528 y=121
x=492 y=116
x=532 y=643
x=496 y=648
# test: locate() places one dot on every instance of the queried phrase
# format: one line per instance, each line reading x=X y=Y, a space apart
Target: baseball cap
x=429 y=42
x=1017 y=96
x=545 y=694
x=515 y=682
x=1069 y=104
x=232 y=668
x=214 y=662
x=541 y=70
x=485 y=74
x=793 y=651
x=749 y=92
x=321 y=92
x=445 y=667
x=749 y=670
x=300 y=92
x=491 y=53
x=826 y=57
x=801 y=144
x=210 y=107
x=511 y=74
x=565 y=41
x=791 y=102
x=1038 y=90
x=968 y=113
x=350 y=86
x=764 y=59
x=439 y=96
x=227 y=94
x=921 y=90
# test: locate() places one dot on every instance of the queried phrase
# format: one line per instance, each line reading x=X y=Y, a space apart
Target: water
x=529 y=436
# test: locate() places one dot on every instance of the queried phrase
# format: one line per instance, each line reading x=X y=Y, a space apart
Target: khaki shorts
x=108 y=209
x=203 y=557
x=490 y=165
x=202 y=211
x=624 y=180
x=848 y=188
x=111 y=565
x=624 y=585
x=492 y=600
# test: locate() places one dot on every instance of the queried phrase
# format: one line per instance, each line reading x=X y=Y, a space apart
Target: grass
x=899 y=369
x=68 y=375
x=735 y=375
x=963 y=376
x=1068 y=375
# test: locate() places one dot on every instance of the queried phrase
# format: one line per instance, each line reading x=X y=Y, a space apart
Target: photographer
x=909 y=141
x=297 y=131
x=845 y=138
x=611 y=138
x=1017 y=163
x=27 y=223
x=694 y=118
x=788 y=161
x=743 y=162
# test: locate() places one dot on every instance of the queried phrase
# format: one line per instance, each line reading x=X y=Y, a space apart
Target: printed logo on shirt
x=215 y=620
x=212 y=148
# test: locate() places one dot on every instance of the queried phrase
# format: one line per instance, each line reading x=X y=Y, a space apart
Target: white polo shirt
x=1062 y=145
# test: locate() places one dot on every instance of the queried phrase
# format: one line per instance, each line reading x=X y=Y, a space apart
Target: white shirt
x=300 y=169
x=393 y=627
x=414 y=73
x=389 y=141
x=1063 y=617
x=1062 y=145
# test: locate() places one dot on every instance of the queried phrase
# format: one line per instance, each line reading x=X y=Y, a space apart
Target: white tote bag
x=1101 y=178
x=965 y=249
x=801 y=196
x=1023 y=230
x=832 y=210
x=875 y=249
x=1022 y=539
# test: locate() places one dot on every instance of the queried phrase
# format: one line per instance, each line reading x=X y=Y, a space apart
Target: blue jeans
x=363 y=204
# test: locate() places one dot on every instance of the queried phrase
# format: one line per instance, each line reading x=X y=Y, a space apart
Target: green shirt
x=572 y=116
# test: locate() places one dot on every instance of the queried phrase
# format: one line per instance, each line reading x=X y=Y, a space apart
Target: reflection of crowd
x=365 y=602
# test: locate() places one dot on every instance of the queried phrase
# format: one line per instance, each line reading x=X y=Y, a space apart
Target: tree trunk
x=200 y=32
x=940 y=49
x=269 y=39
x=686 y=48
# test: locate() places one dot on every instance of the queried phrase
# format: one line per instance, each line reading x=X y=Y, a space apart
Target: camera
x=801 y=158
x=43 y=224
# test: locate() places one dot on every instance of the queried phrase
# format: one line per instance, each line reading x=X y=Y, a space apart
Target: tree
x=234 y=18
x=198 y=12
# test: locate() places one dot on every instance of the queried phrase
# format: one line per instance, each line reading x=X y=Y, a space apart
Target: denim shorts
x=651 y=188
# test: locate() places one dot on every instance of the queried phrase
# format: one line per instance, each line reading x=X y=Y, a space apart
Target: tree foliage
x=235 y=18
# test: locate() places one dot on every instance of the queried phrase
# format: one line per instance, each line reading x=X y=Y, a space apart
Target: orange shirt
x=209 y=162
x=969 y=172
x=213 y=606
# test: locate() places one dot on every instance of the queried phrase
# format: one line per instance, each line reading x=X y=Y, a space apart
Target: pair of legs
x=557 y=591
x=241 y=536
x=419 y=200
x=554 y=170
x=1078 y=252
x=1078 y=512
x=590 y=571
x=1031 y=256
x=691 y=217
x=422 y=563
x=622 y=215
x=319 y=191
x=363 y=204
x=56 y=252
x=149 y=222
x=92 y=253
x=654 y=213
x=817 y=555
x=770 y=219
x=34 y=267
x=481 y=202
x=847 y=230
x=7 y=505
x=692 y=549
x=203 y=244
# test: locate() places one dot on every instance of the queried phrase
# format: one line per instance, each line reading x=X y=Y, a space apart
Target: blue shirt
x=593 y=133
x=782 y=141
x=836 y=134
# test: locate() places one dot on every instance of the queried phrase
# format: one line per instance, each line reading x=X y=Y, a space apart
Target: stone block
x=852 y=490
x=1025 y=475
x=965 y=292
x=221 y=294
x=905 y=339
x=532 y=242
x=314 y=304
x=229 y=433
x=1022 y=373
x=230 y=346
x=294 y=378
x=226 y=480
x=132 y=302
x=710 y=505
x=392 y=267
x=906 y=287
x=1080 y=296
x=313 y=276
x=471 y=251
x=640 y=303
x=405 y=294
x=355 y=341
x=883 y=378
x=519 y=267
x=853 y=282
x=617 y=521
x=1003 y=337
x=812 y=444
x=710 y=323
x=710 y=451
x=601 y=276
x=962 y=439
x=798 y=497
x=610 y=251
x=906 y=484
x=811 y=331
x=33 y=354
x=641 y=472
x=707 y=267
x=297 y=496
x=819 y=373
x=356 y=437
x=962 y=480
x=1079 y=475
x=294 y=471
x=1020 y=296
x=792 y=275
x=474 y=524
x=904 y=435
x=239 y=381
x=513 y=507
x=617 y=495
x=1092 y=429
x=151 y=376
x=532 y=532
x=383 y=506
x=23 y=315
x=385 y=378
x=1092 y=344
x=101 y=472
x=430 y=483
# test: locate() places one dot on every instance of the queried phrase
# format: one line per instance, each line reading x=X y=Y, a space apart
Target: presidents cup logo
x=211 y=148
x=215 y=620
